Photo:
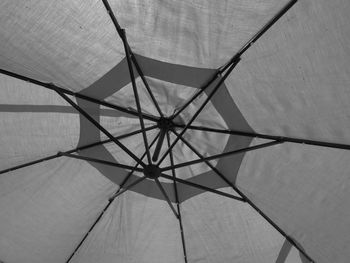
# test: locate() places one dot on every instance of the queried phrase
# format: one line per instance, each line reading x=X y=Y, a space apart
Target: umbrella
x=163 y=131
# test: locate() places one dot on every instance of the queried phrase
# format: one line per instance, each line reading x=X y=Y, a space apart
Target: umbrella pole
x=159 y=145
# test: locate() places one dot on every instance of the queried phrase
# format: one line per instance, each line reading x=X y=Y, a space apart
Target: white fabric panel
x=34 y=123
x=70 y=42
x=46 y=209
x=134 y=229
x=197 y=33
x=219 y=229
x=305 y=190
x=295 y=80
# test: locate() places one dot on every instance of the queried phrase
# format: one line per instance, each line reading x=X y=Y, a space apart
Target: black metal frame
x=341 y=146
x=218 y=85
x=215 y=170
x=122 y=189
x=136 y=94
x=177 y=201
x=54 y=87
x=221 y=74
x=221 y=155
x=99 y=126
x=60 y=154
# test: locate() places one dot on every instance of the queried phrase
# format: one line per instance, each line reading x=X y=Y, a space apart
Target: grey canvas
x=174 y=131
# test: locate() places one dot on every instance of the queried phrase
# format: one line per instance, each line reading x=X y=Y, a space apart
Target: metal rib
x=99 y=126
x=71 y=151
x=272 y=137
x=51 y=86
x=137 y=99
x=227 y=73
x=207 y=162
x=166 y=197
x=217 y=156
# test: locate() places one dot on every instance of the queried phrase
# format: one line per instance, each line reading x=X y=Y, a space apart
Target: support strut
x=53 y=87
x=271 y=137
x=98 y=126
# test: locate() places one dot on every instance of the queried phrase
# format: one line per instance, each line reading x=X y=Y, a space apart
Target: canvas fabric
x=292 y=82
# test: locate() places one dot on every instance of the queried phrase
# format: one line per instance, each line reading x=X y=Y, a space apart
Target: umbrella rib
x=101 y=214
x=89 y=231
x=132 y=56
x=128 y=187
x=95 y=123
x=189 y=145
x=145 y=82
x=261 y=32
x=212 y=93
x=114 y=19
x=201 y=90
x=137 y=99
x=177 y=201
x=245 y=47
x=90 y=159
x=214 y=77
x=51 y=86
x=54 y=156
x=201 y=187
x=246 y=199
x=221 y=155
x=111 y=199
x=166 y=197
x=131 y=172
x=271 y=137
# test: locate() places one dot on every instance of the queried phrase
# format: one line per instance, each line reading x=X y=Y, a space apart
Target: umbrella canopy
x=174 y=131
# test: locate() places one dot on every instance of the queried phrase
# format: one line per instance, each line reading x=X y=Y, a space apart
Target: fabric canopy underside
x=292 y=82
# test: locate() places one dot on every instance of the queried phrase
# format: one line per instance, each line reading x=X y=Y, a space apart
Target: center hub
x=152 y=171
x=165 y=124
